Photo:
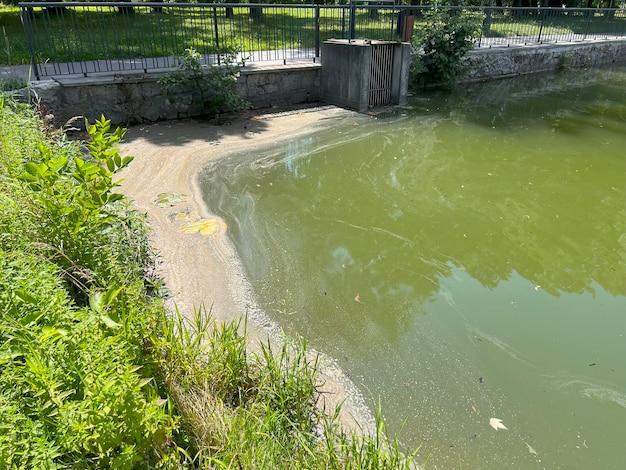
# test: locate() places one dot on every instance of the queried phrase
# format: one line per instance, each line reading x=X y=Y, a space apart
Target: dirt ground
x=198 y=263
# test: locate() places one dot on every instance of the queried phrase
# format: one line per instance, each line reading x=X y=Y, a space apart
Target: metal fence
x=88 y=38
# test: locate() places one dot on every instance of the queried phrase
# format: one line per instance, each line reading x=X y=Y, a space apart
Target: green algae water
x=462 y=260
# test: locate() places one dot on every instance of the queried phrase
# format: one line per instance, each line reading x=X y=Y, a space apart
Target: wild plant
x=76 y=383
x=274 y=420
x=211 y=87
x=76 y=200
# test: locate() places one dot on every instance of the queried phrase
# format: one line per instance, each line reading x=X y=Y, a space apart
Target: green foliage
x=12 y=83
x=83 y=191
x=76 y=386
x=76 y=208
x=212 y=87
x=439 y=47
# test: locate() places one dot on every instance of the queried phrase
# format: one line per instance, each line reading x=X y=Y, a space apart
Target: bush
x=212 y=87
x=438 y=48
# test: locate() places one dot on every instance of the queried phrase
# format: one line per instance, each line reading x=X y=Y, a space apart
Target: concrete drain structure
x=362 y=74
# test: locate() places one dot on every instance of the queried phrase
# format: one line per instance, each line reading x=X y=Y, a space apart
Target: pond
x=463 y=259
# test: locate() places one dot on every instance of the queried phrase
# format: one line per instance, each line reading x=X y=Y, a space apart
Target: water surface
x=462 y=260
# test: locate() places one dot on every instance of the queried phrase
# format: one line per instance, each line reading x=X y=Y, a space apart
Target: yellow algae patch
x=205 y=227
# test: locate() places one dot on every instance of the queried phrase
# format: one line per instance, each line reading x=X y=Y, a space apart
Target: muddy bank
x=198 y=262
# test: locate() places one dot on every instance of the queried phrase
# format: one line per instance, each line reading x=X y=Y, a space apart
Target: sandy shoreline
x=199 y=264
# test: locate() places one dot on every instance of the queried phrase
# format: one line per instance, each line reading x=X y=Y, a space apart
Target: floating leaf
x=168 y=199
x=496 y=423
x=205 y=227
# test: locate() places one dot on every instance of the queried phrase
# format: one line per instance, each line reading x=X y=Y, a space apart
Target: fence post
x=25 y=17
x=540 y=24
x=217 y=36
x=317 y=31
x=352 y=26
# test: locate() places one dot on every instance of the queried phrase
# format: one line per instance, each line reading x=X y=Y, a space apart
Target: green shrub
x=439 y=47
x=211 y=87
x=12 y=83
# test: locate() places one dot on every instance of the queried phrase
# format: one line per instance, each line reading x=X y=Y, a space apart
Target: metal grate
x=381 y=67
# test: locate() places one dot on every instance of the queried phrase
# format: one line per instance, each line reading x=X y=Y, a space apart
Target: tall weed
x=261 y=411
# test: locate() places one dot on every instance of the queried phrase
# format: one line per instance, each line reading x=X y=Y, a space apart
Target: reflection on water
x=463 y=260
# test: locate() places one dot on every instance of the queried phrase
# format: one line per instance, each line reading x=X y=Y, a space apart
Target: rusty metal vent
x=381 y=67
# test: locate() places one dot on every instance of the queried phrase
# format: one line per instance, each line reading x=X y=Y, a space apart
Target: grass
x=13 y=45
x=98 y=33
x=96 y=373
x=101 y=33
x=260 y=410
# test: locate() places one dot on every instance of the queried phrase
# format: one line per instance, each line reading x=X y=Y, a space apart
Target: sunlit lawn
x=100 y=32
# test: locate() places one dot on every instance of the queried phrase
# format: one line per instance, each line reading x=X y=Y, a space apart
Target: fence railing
x=87 y=38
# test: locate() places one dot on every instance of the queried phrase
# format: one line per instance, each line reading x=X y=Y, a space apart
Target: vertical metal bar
x=217 y=34
x=25 y=17
x=352 y=21
x=317 y=31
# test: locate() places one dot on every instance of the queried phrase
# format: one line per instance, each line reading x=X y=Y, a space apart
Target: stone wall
x=269 y=86
x=129 y=98
x=489 y=64
x=137 y=97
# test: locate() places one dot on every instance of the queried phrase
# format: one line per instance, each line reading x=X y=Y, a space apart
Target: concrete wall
x=126 y=98
x=271 y=85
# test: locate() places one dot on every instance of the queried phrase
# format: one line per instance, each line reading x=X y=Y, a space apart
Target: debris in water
x=530 y=448
x=496 y=423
